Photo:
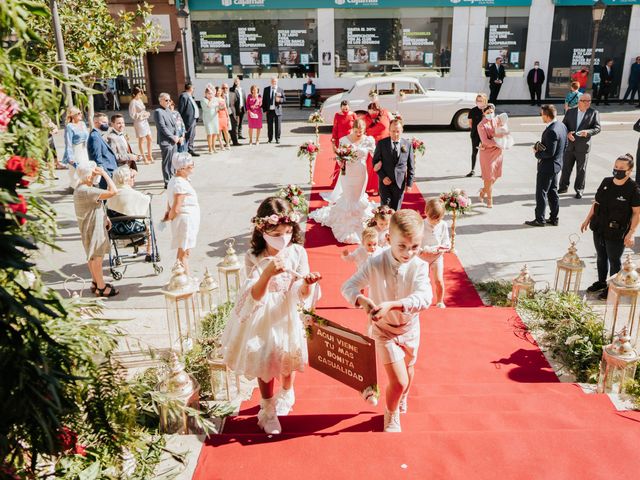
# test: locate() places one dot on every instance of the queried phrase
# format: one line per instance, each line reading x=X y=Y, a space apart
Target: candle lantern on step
x=182 y=308
x=208 y=292
x=569 y=269
x=622 y=302
x=618 y=364
x=220 y=377
x=523 y=286
x=182 y=389
x=229 y=272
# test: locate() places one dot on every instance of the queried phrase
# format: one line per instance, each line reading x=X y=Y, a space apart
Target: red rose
x=80 y=450
x=311 y=147
x=20 y=207
x=28 y=166
x=67 y=439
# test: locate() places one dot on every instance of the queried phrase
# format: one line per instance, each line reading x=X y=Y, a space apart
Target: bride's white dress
x=346 y=217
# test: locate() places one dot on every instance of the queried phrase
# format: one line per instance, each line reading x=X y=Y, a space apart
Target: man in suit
x=272 y=100
x=238 y=108
x=309 y=93
x=394 y=163
x=496 y=77
x=535 y=79
x=99 y=151
x=168 y=138
x=634 y=82
x=582 y=123
x=606 y=82
x=228 y=101
x=554 y=141
x=188 y=110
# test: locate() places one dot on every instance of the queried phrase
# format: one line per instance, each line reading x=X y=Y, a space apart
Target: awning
x=166 y=47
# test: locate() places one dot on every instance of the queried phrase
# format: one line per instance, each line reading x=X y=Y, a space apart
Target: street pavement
x=491 y=243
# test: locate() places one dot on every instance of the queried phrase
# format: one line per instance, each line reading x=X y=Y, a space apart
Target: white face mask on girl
x=490 y=116
x=277 y=243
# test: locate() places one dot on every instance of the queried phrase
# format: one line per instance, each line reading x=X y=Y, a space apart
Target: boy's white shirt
x=360 y=255
x=390 y=280
x=435 y=236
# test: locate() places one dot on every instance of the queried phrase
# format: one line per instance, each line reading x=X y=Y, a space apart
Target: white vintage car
x=406 y=96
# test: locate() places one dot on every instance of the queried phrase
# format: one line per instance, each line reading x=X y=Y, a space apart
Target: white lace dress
x=266 y=338
x=346 y=217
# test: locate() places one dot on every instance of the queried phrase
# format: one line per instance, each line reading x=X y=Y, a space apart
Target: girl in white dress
x=352 y=208
x=183 y=209
x=210 y=117
x=435 y=242
x=380 y=221
x=503 y=137
x=265 y=336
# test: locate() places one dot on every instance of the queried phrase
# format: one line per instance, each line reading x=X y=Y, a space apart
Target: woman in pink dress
x=254 y=114
x=490 y=154
x=223 y=120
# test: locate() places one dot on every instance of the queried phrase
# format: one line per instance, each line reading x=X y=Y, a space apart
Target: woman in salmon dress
x=490 y=154
x=342 y=125
x=223 y=120
x=377 y=120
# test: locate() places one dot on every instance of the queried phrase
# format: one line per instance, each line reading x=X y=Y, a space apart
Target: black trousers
x=234 y=129
x=535 y=91
x=314 y=98
x=579 y=159
x=475 y=143
x=604 y=91
x=190 y=135
x=391 y=195
x=608 y=256
x=638 y=169
x=547 y=192
x=494 y=90
x=240 y=118
x=274 y=122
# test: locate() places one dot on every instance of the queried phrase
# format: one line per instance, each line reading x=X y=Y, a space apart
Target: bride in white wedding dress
x=352 y=208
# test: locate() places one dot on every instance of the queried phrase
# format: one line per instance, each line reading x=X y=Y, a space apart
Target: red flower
x=68 y=439
x=20 y=207
x=311 y=148
x=28 y=166
x=80 y=450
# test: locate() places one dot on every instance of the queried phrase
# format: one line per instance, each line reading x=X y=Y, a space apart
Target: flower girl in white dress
x=346 y=217
x=265 y=336
x=502 y=136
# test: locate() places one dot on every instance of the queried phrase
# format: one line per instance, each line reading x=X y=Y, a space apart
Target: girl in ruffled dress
x=503 y=137
x=380 y=221
x=265 y=336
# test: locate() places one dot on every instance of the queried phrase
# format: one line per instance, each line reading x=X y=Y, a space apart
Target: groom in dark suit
x=393 y=161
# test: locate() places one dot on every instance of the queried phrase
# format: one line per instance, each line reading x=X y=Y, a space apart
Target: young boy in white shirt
x=399 y=289
x=368 y=248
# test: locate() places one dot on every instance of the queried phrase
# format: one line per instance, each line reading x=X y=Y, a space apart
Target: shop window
x=506 y=36
x=416 y=41
x=571 y=42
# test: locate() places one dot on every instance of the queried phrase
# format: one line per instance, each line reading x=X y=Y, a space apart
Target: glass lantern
x=523 y=285
x=182 y=388
x=220 y=377
x=569 y=269
x=182 y=308
x=618 y=365
x=229 y=272
x=208 y=293
x=622 y=302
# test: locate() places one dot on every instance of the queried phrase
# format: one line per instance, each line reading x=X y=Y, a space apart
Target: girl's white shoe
x=441 y=305
x=284 y=401
x=392 y=421
x=268 y=418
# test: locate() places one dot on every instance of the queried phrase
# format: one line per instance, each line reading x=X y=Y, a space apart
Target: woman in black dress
x=475 y=117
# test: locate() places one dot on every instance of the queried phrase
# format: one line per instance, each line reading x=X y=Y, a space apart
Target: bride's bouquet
x=344 y=154
x=418 y=146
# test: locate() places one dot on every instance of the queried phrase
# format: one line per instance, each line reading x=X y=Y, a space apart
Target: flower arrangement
x=8 y=108
x=418 y=146
x=309 y=150
x=295 y=196
x=27 y=166
x=344 y=154
x=275 y=219
x=456 y=201
x=315 y=117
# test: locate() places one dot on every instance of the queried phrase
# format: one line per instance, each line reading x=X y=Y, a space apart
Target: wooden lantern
x=178 y=387
x=182 y=308
x=523 y=285
x=618 y=364
x=569 y=270
x=229 y=272
x=208 y=293
x=622 y=302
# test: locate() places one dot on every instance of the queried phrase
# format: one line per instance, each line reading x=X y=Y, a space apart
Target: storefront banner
x=507 y=38
x=203 y=5
x=573 y=3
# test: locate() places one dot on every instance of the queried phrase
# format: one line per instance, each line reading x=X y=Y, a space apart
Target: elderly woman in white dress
x=93 y=223
x=183 y=210
x=352 y=207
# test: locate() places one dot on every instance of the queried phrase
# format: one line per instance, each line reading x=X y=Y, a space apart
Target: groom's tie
x=395 y=150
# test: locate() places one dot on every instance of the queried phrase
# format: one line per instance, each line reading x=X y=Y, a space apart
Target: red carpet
x=485 y=403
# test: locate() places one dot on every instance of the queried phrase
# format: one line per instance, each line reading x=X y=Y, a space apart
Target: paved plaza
x=491 y=243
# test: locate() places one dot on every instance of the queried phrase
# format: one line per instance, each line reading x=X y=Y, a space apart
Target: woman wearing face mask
x=183 y=210
x=265 y=337
x=377 y=121
x=93 y=223
x=490 y=154
x=475 y=117
x=613 y=218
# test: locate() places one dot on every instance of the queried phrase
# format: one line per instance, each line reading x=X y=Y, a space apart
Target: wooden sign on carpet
x=345 y=355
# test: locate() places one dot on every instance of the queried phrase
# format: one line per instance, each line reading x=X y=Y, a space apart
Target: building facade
x=447 y=44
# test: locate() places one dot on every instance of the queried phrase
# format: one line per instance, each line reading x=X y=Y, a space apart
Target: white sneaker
x=267 y=417
x=284 y=401
x=402 y=406
x=392 y=421
x=441 y=305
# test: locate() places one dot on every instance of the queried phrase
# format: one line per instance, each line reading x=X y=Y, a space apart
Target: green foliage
x=97 y=44
x=569 y=328
x=496 y=291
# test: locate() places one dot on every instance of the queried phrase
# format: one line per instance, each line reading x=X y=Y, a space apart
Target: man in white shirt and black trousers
x=237 y=109
x=272 y=100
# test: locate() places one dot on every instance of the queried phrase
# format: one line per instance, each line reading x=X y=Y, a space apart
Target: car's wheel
x=460 y=120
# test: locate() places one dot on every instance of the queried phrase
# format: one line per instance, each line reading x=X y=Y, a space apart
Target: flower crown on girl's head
x=383 y=210
x=275 y=219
